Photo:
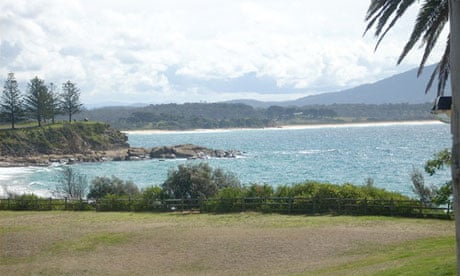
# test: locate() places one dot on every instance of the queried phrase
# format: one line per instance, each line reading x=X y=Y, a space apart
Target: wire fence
x=285 y=205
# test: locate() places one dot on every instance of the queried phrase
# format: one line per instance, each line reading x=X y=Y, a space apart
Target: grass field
x=91 y=243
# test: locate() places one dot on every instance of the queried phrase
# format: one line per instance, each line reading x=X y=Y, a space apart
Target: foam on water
x=15 y=180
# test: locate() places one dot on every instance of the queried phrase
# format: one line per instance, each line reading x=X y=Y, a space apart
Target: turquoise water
x=337 y=154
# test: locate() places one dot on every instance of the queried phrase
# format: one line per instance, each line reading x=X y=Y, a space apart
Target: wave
x=316 y=151
x=305 y=152
x=21 y=187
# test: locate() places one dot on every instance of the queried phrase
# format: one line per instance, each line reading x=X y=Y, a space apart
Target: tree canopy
x=70 y=99
x=40 y=102
x=11 y=102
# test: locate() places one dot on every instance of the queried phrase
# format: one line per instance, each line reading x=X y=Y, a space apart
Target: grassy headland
x=59 y=139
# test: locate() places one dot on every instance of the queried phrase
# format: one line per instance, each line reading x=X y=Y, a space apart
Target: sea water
x=386 y=152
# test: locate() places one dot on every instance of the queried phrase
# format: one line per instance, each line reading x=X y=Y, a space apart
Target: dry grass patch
x=90 y=243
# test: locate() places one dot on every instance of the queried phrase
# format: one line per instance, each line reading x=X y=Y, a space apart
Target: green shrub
x=102 y=186
x=257 y=190
x=115 y=203
x=151 y=199
x=29 y=202
x=197 y=181
x=229 y=199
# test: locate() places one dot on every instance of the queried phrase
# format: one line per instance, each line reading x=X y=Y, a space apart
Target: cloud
x=203 y=50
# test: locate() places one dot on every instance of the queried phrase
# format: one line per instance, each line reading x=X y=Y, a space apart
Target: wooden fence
x=287 y=205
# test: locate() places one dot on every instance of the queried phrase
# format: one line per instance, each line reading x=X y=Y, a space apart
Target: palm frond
x=381 y=11
x=431 y=20
x=442 y=71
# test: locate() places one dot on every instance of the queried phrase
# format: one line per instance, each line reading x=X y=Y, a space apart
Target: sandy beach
x=312 y=126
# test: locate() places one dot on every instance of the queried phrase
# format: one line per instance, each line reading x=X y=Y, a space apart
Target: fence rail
x=288 y=205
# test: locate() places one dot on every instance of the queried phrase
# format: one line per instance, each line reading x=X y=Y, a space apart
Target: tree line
x=228 y=115
x=40 y=102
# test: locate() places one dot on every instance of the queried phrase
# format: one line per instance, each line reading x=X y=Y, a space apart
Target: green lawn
x=97 y=243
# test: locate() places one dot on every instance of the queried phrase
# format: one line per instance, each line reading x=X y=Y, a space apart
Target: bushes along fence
x=286 y=205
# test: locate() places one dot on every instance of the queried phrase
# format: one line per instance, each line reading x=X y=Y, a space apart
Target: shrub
x=151 y=199
x=197 y=181
x=115 y=203
x=257 y=190
x=102 y=186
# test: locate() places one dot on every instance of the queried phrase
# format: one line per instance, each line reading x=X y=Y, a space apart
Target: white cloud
x=177 y=50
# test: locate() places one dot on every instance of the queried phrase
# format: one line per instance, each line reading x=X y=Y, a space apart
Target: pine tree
x=70 y=99
x=36 y=99
x=52 y=103
x=11 y=104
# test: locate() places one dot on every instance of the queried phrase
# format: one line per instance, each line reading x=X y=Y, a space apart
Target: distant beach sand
x=312 y=126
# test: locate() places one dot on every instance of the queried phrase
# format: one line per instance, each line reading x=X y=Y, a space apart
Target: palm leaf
x=431 y=20
x=429 y=24
x=381 y=11
x=442 y=71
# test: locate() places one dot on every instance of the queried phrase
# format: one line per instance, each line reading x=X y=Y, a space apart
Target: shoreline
x=284 y=127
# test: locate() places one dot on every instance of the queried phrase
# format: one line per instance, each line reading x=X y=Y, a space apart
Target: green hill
x=60 y=139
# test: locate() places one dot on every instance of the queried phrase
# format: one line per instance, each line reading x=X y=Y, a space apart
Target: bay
x=385 y=152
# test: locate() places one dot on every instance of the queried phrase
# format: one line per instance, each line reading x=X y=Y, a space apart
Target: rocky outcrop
x=86 y=142
x=190 y=151
x=187 y=151
x=137 y=154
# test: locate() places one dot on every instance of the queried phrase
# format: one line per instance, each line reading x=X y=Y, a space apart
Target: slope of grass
x=431 y=256
x=60 y=138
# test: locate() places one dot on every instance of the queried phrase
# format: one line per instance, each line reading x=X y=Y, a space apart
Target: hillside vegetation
x=236 y=115
x=62 y=138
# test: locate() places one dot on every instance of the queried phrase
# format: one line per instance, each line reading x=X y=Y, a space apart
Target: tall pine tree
x=70 y=99
x=36 y=100
x=11 y=103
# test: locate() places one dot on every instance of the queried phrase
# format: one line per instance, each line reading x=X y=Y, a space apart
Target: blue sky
x=149 y=51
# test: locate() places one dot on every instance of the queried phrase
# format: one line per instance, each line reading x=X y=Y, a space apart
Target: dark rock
x=137 y=153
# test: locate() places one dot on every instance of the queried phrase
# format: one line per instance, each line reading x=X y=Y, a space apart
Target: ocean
x=385 y=152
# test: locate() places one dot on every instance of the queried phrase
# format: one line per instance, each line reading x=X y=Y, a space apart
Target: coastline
x=45 y=160
x=315 y=154
x=285 y=127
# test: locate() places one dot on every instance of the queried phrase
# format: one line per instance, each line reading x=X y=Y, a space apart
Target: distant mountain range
x=400 y=88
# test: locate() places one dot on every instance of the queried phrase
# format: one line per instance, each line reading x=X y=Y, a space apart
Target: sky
x=176 y=51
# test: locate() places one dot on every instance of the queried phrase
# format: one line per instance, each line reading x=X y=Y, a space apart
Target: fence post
x=421 y=208
x=290 y=204
x=448 y=209
x=243 y=204
x=50 y=205
x=9 y=206
x=81 y=204
x=65 y=203
x=365 y=206
x=391 y=207
x=201 y=203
